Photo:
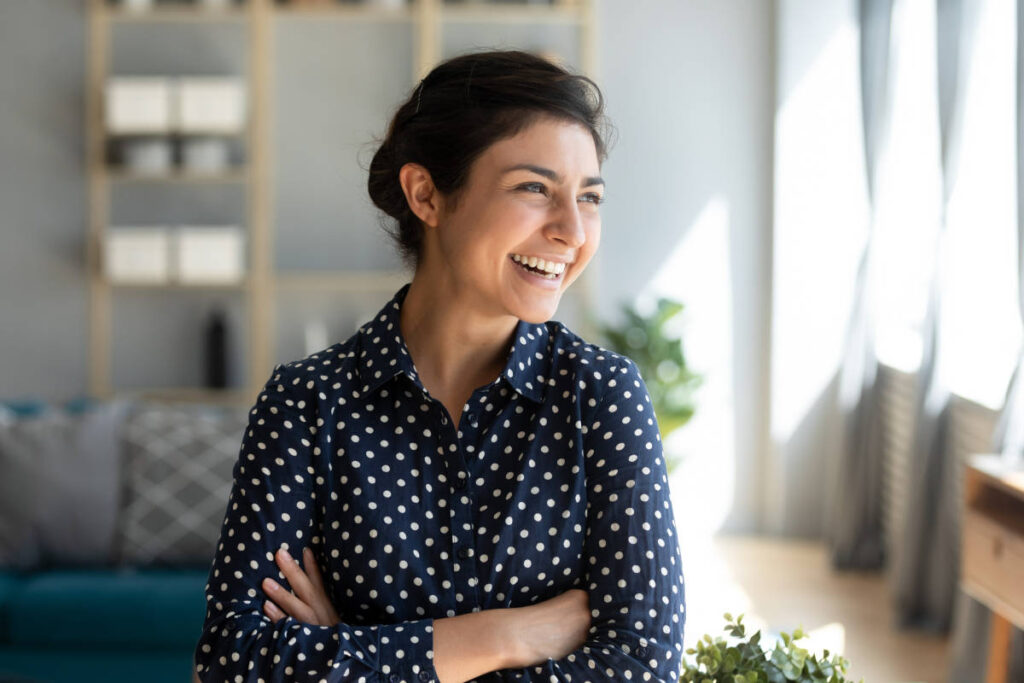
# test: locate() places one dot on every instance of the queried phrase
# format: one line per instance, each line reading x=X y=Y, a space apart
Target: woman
x=469 y=489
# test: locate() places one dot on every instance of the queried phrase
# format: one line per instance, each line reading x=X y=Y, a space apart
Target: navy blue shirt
x=553 y=479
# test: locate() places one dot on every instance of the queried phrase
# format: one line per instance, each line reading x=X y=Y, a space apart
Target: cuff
x=406 y=652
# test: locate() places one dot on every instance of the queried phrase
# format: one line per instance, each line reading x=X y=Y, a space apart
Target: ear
x=424 y=199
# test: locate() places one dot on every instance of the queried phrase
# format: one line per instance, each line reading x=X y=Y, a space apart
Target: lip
x=549 y=259
x=534 y=279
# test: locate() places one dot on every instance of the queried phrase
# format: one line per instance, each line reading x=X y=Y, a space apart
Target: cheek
x=593 y=238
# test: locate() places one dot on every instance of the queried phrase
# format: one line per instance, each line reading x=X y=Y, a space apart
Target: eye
x=527 y=186
x=594 y=198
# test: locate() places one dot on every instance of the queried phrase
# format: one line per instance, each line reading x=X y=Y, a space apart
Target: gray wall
x=43 y=295
x=689 y=87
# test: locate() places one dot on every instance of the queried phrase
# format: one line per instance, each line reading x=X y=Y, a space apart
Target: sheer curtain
x=924 y=568
x=940 y=291
x=854 y=526
x=1003 y=60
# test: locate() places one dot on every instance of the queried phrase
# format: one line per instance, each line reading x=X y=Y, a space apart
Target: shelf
x=176 y=135
x=177 y=177
x=178 y=286
x=173 y=14
x=357 y=281
x=427 y=23
x=188 y=394
x=512 y=14
x=472 y=13
x=346 y=12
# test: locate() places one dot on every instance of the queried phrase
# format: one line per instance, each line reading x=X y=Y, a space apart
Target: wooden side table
x=992 y=557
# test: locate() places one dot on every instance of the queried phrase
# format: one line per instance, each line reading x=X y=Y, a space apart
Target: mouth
x=539 y=273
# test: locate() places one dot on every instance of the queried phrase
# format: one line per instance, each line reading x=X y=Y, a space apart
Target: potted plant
x=661 y=362
x=746 y=662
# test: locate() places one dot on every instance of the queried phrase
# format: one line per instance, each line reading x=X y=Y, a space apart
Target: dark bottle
x=216 y=350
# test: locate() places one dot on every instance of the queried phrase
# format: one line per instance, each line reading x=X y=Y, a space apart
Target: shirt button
x=394 y=678
x=641 y=651
x=460 y=482
x=465 y=553
x=424 y=676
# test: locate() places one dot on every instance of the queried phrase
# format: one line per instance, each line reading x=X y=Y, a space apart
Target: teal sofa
x=75 y=608
x=84 y=625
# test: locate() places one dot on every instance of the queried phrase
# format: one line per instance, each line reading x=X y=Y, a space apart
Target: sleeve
x=634 y=572
x=272 y=504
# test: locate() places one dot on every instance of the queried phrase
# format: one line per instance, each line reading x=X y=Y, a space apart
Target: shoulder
x=596 y=369
x=305 y=383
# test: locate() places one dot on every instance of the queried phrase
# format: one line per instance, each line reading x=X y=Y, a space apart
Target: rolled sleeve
x=272 y=504
x=634 y=572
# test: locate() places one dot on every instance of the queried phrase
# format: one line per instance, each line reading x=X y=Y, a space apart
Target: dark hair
x=464 y=105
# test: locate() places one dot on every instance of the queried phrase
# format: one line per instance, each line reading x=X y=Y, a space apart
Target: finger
x=323 y=605
x=313 y=570
x=273 y=611
x=296 y=577
x=288 y=602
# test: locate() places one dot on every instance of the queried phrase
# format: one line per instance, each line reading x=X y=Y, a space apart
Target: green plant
x=661 y=362
x=746 y=662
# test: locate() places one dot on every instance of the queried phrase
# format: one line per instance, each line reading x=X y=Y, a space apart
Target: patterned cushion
x=176 y=480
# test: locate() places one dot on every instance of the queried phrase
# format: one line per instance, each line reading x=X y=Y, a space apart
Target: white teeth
x=534 y=262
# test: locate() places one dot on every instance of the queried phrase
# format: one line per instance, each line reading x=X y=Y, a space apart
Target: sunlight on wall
x=697 y=273
x=910 y=190
x=981 y=331
x=820 y=229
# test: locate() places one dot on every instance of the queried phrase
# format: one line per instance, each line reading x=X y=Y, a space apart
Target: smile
x=551 y=270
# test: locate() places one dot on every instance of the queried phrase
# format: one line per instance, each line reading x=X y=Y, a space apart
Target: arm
x=471 y=644
x=634 y=573
x=272 y=504
x=465 y=646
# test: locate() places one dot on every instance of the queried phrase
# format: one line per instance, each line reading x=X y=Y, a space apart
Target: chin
x=540 y=312
x=536 y=319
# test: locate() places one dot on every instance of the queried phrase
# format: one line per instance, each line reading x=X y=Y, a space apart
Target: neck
x=456 y=345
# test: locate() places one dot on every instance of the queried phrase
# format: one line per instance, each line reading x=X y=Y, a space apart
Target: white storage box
x=137 y=255
x=211 y=105
x=139 y=104
x=213 y=254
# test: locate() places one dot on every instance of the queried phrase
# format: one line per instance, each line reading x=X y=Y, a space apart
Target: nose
x=568 y=223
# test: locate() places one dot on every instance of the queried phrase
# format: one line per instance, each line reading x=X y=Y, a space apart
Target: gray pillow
x=176 y=479
x=59 y=489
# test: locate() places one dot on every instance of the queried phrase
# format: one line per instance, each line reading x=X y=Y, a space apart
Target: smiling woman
x=464 y=489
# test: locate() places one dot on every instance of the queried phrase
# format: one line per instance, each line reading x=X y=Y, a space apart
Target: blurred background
x=823 y=195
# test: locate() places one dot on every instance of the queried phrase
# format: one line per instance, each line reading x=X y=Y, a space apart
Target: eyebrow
x=548 y=173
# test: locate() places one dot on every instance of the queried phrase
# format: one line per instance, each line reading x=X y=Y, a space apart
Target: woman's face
x=532 y=195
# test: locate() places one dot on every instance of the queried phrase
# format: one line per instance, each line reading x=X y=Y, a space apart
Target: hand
x=550 y=629
x=309 y=603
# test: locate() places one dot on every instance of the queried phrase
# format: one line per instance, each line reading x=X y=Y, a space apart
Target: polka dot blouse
x=553 y=479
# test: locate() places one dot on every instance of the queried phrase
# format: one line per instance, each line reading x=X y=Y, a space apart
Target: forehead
x=561 y=145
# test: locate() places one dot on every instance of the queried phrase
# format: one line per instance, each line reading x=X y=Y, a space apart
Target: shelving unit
x=434 y=30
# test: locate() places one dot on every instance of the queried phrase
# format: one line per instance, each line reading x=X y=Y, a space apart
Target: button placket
x=461 y=514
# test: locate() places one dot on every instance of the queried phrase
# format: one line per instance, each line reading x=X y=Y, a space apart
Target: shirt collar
x=383 y=354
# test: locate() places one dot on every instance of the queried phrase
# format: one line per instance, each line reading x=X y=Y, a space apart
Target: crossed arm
x=634 y=597
x=465 y=646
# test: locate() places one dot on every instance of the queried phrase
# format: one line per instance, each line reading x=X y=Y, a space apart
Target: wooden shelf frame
x=263 y=282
